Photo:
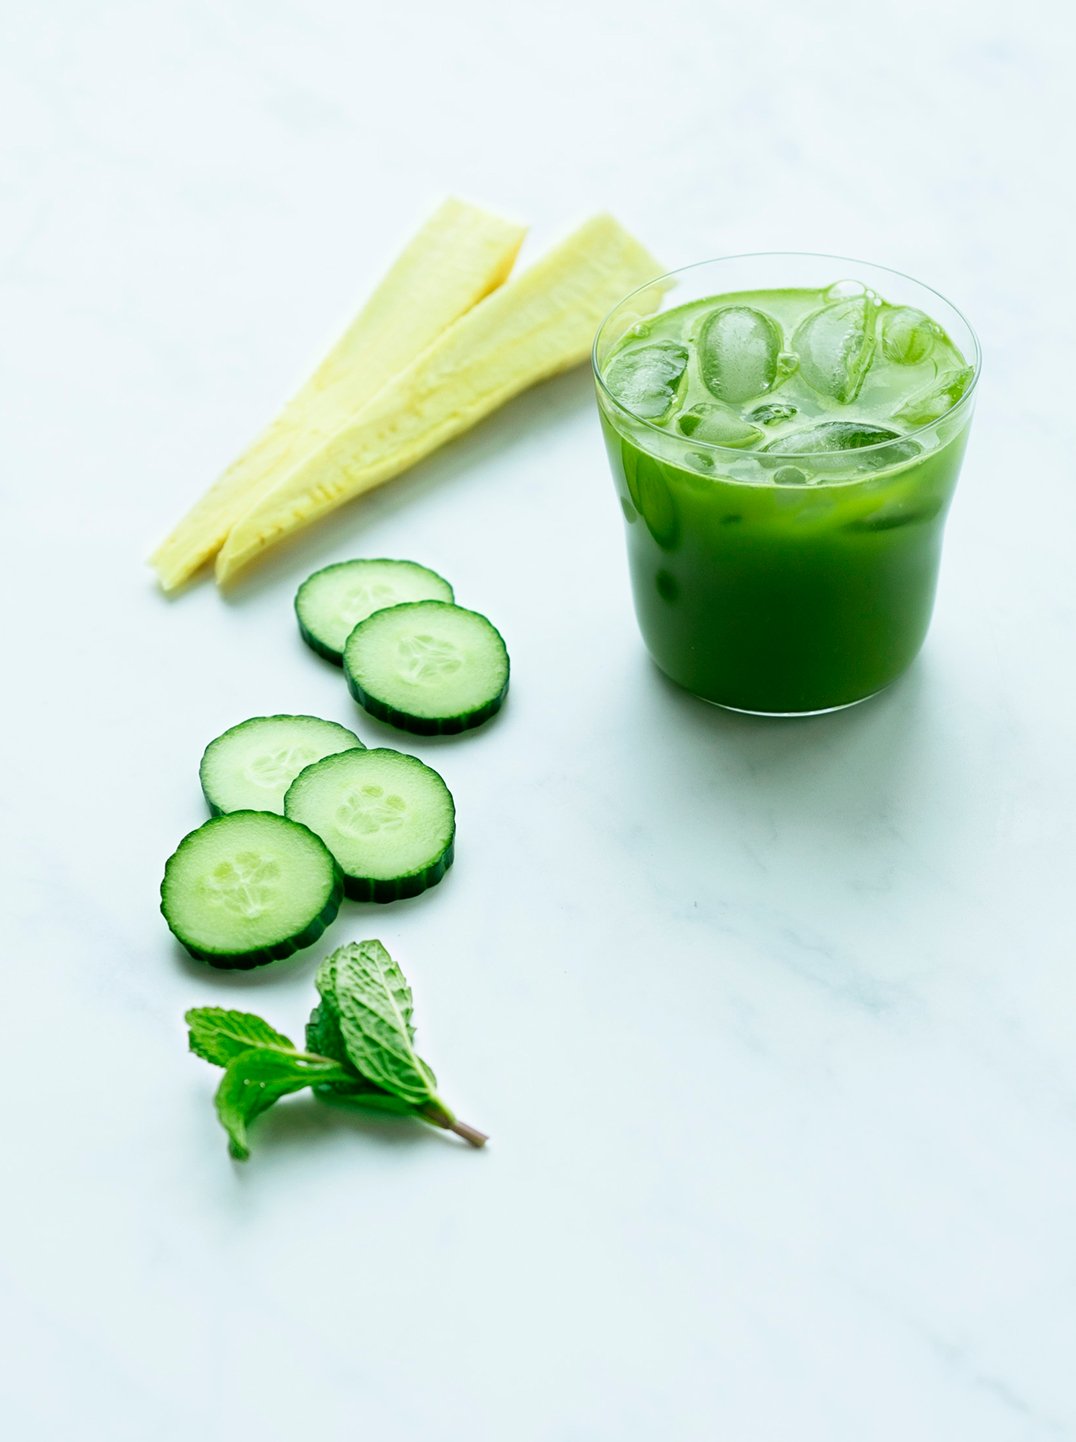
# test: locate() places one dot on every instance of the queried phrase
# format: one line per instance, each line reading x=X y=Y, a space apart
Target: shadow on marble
x=220 y=978
x=811 y=853
x=828 y=844
x=301 y=1121
x=900 y=751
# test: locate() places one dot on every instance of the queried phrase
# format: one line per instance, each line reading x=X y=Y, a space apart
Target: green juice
x=785 y=460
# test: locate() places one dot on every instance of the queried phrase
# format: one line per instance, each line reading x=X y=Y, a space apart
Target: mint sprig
x=360 y=1050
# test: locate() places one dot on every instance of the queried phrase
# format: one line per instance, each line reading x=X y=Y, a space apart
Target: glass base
x=793 y=715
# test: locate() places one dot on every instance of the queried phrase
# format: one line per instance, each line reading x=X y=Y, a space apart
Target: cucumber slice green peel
x=249 y=888
x=251 y=765
x=330 y=603
x=388 y=819
x=428 y=667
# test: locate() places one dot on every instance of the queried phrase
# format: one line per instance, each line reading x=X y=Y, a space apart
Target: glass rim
x=788 y=456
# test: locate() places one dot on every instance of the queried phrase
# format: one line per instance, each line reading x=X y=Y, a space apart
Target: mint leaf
x=324 y=1037
x=217 y=1035
x=253 y=1080
x=366 y=1010
x=369 y=998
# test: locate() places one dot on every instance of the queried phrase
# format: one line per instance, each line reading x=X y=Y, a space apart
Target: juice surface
x=785 y=460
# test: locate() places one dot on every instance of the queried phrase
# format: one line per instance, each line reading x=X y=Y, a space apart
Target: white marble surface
x=773 y=1025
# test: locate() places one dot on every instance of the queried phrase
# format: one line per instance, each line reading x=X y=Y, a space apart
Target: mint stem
x=469 y=1134
x=439 y=1115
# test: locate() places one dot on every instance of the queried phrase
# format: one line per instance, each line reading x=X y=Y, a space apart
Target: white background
x=773 y=1025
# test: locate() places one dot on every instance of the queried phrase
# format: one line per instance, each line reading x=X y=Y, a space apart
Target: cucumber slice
x=249 y=888
x=428 y=667
x=250 y=766
x=387 y=818
x=331 y=603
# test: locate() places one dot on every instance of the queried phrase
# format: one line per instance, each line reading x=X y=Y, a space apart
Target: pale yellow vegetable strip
x=538 y=324
x=459 y=256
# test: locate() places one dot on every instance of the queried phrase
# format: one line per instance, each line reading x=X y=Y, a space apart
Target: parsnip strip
x=459 y=256
x=538 y=324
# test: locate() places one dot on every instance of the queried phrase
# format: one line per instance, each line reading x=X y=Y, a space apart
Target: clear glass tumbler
x=778 y=581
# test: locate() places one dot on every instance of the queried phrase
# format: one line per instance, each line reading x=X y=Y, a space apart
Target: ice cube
x=718 y=425
x=941 y=396
x=738 y=350
x=841 y=436
x=790 y=476
x=830 y=436
x=835 y=347
x=895 y=514
x=907 y=336
x=646 y=379
x=771 y=412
